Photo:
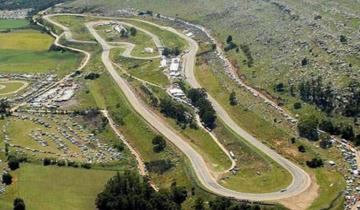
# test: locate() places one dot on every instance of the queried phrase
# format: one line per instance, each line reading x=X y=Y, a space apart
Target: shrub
x=86 y=165
x=159 y=143
x=301 y=148
x=297 y=105
x=46 y=162
x=308 y=128
x=19 y=204
x=6 y=179
x=315 y=163
x=159 y=166
x=13 y=163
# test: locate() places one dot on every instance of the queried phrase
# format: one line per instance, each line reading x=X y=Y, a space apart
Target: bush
x=73 y=164
x=86 y=165
x=297 y=105
x=13 y=163
x=315 y=163
x=119 y=146
x=280 y=87
x=171 y=51
x=61 y=163
x=233 y=100
x=178 y=194
x=159 y=166
x=6 y=179
x=308 y=128
x=46 y=162
x=92 y=76
x=301 y=148
x=343 y=39
x=19 y=204
x=159 y=143
x=133 y=31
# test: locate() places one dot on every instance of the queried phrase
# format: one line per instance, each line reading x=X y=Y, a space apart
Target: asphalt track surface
x=301 y=180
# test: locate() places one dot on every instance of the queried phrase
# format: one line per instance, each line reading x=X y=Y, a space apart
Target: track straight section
x=301 y=180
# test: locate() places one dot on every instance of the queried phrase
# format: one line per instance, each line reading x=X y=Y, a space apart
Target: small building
x=174 y=67
x=149 y=50
x=177 y=92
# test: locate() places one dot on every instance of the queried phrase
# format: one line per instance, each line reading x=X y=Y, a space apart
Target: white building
x=177 y=92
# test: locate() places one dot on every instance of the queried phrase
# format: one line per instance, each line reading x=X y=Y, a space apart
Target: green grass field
x=54 y=188
x=26 y=51
x=77 y=26
x=147 y=70
x=13 y=24
x=141 y=40
x=16 y=61
x=25 y=40
x=257 y=172
x=167 y=38
x=11 y=86
x=332 y=183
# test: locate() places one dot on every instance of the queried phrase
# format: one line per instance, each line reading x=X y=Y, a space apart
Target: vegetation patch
x=74 y=189
x=13 y=23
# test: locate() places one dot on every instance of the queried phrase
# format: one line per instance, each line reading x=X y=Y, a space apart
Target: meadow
x=13 y=24
x=54 y=188
x=27 y=51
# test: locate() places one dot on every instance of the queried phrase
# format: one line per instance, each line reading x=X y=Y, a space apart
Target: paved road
x=301 y=180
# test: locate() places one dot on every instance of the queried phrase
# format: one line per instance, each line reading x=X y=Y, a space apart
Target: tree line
x=198 y=98
x=129 y=191
x=309 y=126
x=36 y=5
x=328 y=99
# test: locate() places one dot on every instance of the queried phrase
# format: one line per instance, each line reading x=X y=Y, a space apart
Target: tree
x=315 y=163
x=347 y=132
x=133 y=31
x=301 y=148
x=175 y=110
x=159 y=166
x=327 y=126
x=176 y=51
x=129 y=191
x=207 y=113
x=343 y=39
x=123 y=33
x=6 y=179
x=297 y=105
x=304 y=62
x=4 y=107
x=199 y=204
x=357 y=140
x=19 y=204
x=13 y=162
x=159 y=143
x=178 y=194
x=229 y=39
x=233 y=100
x=307 y=127
x=325 y=141
x=280 y=87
